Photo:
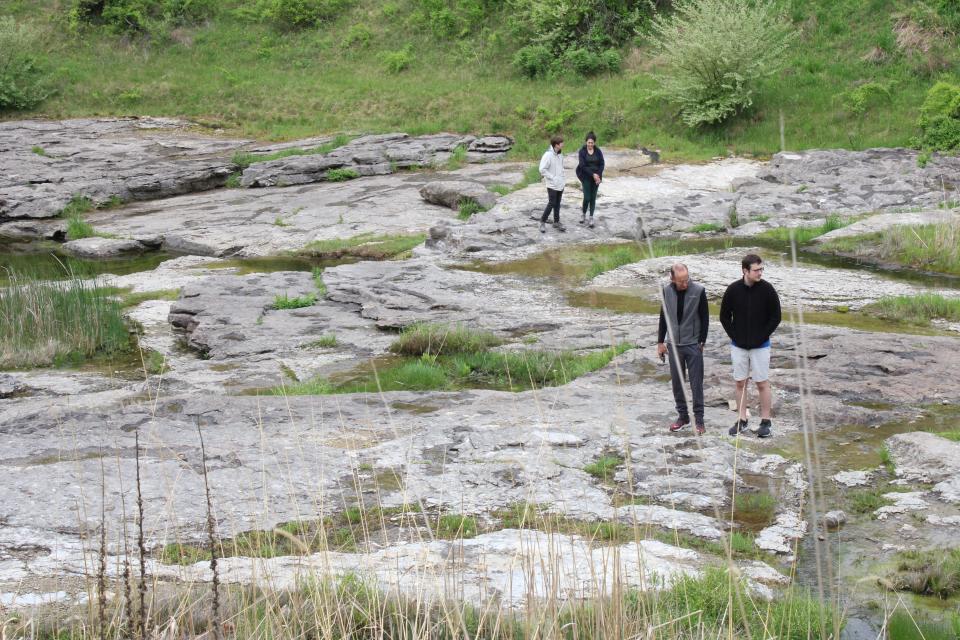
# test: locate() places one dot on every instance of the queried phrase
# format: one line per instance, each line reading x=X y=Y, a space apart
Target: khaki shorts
x=750 y=363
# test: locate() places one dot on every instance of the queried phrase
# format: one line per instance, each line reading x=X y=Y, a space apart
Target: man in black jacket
x=684 y=322
x=750 y=313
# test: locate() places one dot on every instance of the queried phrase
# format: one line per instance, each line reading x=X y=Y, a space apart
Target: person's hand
x=596 y=178
x=661 y=351
x=701 y=347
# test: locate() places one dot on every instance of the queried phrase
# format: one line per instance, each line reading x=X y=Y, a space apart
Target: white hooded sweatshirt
x=551 y=168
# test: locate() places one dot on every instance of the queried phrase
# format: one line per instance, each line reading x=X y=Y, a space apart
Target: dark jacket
x=584 y=159
x=690 y=325
x=750 y=315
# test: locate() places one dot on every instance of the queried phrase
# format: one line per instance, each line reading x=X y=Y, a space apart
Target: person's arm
x=544 y=164
x=703 y=309
x=602 y=163
x=773 y=312
x=726 y=312
x=662 y=329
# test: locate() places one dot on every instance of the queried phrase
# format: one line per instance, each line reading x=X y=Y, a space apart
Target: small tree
x=716 y=52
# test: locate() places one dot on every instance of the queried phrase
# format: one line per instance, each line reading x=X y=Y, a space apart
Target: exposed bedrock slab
x=241 y=222
x=374 y=155
x=43 y=164
x=924 y=456
x=837 y=180
x=810 y=286
x=508 y=567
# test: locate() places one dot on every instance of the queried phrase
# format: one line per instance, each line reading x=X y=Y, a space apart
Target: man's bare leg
x=766 y=399
x=742 y=399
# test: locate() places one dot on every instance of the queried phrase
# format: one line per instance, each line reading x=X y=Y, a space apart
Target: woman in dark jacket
x=590 y=173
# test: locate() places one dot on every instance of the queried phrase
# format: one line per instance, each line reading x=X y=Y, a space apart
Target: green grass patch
x=63 y=322
x=456 y=527
x=341 y=175
x=39 y=151
x=426 y=338
x=919 y=309
x=931 y=247
x=911 y=626
x=468 y=207
x=604 y=467
x=500 y=189
x=950 y=435
x=707 y=227
x=935 y=572
x=611 y=258
x=458 y=158
x=285 y=302
x=367 y=246
x=325 y=342
x=803 y=235
x=129 y=299
x=318 y=281
x=867 y=501
x=756 y=510
x=508 y=371
x=886 y=460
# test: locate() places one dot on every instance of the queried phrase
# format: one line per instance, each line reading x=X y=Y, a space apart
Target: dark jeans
x=590 y=189
x=553 y=203
x=691 y=368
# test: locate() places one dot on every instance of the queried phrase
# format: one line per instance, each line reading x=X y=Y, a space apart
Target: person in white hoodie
x=551 y=168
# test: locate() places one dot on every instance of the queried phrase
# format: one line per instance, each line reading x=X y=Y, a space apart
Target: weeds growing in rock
x=935 y=572
x=427 y=338
x=866 y=501
x=707 y=227
x=458 y=158
x=754 y=509
x=803 y=235
x=932 y=247
x=341 y=175
x=468 y=207
x=604 y=467
x=283 y=301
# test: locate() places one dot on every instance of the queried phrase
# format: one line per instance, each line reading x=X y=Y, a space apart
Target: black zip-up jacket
x=588 y=165
x=750 y=315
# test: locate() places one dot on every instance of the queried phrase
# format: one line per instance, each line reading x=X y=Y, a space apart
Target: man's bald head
x=679 y=276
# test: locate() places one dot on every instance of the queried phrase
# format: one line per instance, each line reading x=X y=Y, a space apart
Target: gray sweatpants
x=690 y=368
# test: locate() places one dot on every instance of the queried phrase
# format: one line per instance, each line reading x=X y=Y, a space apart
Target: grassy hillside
x=849 y=81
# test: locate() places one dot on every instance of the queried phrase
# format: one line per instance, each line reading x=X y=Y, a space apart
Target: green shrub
x=23 y=78
x=133 y=16
x=595 y=25
x=359 y=35
x=716 y=52
x=857 y=101
x=939 y=119
x=588 y=63
x=342 y=175
x=302 y=14
x=533 y=60
x=397 y=61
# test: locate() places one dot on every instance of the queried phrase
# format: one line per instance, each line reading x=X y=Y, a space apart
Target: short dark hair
x=555 y=140
x=591 y=136
x=749 y=260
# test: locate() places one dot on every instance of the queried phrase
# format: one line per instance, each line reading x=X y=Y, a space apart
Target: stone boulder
x=450 y=193
x=102 y=248
x=924 y=457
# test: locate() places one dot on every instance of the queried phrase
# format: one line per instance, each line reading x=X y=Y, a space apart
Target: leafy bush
x=359 y=35
x=132 y=16
x=716 y=52
x=302 y=14
x=397 y=61
x=858 y=100
x=22 y=77
x=581 y=37
x=939 y=118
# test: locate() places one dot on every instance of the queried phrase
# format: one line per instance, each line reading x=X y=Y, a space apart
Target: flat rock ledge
x=924 y=457
x=102 y=248
x=373 y=155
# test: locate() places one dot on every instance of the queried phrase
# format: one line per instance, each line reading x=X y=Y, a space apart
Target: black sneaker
x=738 y=427
x=543 y=227
x=559 y=227
x=583 y=218
x=764 y=430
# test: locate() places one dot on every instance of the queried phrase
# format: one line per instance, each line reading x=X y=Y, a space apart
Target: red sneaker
x=701 y=429
x=678 y=424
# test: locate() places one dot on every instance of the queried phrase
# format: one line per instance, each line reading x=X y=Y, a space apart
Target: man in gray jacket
x=551 y=168
x=684 y=322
